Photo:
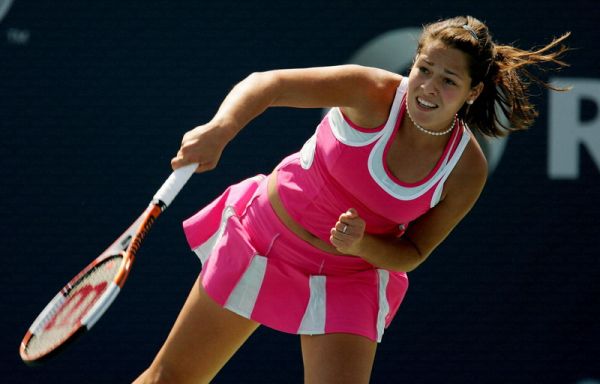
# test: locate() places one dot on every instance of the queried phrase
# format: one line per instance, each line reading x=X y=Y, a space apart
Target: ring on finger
x=345 y=228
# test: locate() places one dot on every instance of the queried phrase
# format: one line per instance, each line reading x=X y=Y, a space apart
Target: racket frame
x=126 y=246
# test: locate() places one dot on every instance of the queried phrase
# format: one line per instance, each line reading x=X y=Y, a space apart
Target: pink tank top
x=343 y=166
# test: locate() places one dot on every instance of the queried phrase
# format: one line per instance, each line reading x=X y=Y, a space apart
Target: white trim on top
x=353 y=137
x=347 y=134
x=400 y=192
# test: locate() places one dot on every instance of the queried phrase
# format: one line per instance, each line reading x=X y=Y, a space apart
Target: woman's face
x=438 y=85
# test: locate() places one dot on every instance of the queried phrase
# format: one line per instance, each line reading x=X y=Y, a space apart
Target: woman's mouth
x=425 y=105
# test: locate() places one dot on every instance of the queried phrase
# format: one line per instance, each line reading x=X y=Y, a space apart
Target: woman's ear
x=474 y=93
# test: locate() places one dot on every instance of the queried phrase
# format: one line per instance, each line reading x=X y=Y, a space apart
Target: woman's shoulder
x=378 y=91
x=473 y=161
x=383 y=81
x=471 y=171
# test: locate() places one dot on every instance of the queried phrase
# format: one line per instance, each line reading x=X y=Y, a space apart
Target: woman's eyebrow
x=445 y=69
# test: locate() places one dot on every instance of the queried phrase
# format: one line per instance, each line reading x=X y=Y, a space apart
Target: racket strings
x=64 y=317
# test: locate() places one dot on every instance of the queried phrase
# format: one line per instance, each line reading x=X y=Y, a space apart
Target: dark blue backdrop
x=94 y=99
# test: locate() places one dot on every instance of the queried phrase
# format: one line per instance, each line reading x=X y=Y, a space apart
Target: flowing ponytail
x=503 y=106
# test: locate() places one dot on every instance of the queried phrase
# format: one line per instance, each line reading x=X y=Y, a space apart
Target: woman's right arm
x=364 y=93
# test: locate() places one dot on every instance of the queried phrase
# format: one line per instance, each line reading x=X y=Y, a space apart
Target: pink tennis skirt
x=256 y=267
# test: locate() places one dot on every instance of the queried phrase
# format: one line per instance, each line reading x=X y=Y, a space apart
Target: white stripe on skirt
x=313 y=322
x=384 y=306
x=205 y=249
x=243 y=297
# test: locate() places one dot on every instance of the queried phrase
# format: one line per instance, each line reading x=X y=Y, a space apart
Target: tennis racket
x=79 y=305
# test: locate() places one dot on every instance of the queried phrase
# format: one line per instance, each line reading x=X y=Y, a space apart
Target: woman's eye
x=423 y=70
x=450 y=82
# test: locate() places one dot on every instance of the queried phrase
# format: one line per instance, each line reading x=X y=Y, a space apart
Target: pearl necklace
x=427 y=131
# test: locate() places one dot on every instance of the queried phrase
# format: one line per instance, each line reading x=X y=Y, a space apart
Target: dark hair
x=501 y=68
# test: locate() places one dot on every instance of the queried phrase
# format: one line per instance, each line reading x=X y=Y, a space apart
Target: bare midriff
x=292 y=224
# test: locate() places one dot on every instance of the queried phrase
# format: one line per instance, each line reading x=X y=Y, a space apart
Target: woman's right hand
x=203 y=145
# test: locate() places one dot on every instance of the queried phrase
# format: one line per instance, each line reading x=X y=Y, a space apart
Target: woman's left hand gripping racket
x=77 y=307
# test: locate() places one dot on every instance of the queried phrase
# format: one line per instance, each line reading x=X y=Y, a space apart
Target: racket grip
x=169 y=190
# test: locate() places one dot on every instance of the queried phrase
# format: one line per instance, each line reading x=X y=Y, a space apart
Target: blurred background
x=94 y=100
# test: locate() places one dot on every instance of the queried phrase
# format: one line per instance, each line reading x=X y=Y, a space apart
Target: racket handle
x=174 y=183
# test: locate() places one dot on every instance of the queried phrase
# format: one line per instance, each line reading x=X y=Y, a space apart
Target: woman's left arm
x=406 y=253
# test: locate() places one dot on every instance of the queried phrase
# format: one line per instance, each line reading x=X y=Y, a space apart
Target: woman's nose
x=429 y=86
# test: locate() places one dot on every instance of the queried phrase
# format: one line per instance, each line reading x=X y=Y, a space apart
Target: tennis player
x=321 y=247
